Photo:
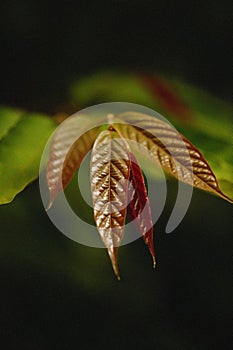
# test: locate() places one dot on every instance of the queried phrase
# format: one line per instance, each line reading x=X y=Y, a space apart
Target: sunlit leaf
x=70 y=144
x=139 y=205
x=176 y=154
x=109 y=183
x=204 y=119
x=210 y=129
x=23 y=137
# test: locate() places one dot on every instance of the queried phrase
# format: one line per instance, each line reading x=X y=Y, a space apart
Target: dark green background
x=58 y=294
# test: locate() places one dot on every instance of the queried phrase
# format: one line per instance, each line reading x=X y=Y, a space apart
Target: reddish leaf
x=139 y=206
x=113 y=167
x=176 y=154
x=69 y=146
x=109 y=183
x=167 y=98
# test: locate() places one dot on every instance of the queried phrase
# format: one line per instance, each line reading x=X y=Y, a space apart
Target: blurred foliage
x=22 y=140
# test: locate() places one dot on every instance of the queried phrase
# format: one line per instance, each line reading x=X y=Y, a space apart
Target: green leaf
x=204 y=119
x=8 y=119
x=22 y=140
x=109 y=86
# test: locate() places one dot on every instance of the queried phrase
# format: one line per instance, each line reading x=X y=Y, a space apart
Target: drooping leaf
x=139 y=206
x=22 y=140
x=109 y=182
x=176 y=154
x=210 y=129
x=204 y=119
x=70 y=144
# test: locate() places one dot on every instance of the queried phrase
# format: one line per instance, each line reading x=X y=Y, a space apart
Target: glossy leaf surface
x=70 y=144
x=204 y=119
x=176 y=154
x=109 y=185
x=139 y=205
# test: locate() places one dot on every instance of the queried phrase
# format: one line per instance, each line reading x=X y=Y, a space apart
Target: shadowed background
x=46 y=45
x=56 y=293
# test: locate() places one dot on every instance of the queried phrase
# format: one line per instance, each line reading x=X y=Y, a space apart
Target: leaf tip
x=154 y=262
x=113 y=257
x=228 y=199
x=116 y=271
x=148 y=238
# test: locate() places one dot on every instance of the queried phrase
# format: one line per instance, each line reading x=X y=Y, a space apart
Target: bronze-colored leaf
x=139 y=205
x=70 y=143
x=176 y=154
x=109 y=183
